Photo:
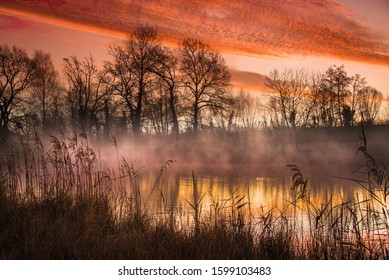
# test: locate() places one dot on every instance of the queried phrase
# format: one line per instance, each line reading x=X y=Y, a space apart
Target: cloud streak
x=248 y=80
x=11 y=22
x=259 y=28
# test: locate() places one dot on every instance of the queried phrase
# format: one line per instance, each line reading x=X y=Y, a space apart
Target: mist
x=318 y=152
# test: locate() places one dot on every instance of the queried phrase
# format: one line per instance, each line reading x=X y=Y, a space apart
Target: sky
x=254 y=36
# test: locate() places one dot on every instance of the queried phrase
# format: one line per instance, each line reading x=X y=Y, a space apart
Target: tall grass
x=60 y=203
x=354 y=229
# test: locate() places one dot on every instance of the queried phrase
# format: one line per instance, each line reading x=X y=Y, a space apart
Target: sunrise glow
x=256 y=36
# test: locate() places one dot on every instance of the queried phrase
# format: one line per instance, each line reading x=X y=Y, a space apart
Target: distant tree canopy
x=45 y=88
x=299 y=98
x=146 y=87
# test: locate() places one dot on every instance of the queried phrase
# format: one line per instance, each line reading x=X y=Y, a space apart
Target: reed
x=60 y=203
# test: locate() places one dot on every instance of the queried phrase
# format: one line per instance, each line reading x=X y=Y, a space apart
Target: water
x=257 y=195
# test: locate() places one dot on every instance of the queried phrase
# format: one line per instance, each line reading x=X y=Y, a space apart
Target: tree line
x=146 y=87
x=303 y=99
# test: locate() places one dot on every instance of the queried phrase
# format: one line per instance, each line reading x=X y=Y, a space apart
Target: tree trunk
x=195 y=116
x=137 y=122
x=175 y=128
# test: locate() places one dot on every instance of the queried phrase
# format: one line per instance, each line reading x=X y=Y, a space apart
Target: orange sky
x=255 y=36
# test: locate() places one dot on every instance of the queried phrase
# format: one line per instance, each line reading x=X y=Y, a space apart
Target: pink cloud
x=276 y=28
x=10 y=22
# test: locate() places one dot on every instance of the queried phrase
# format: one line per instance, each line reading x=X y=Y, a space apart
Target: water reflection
x=180 y=193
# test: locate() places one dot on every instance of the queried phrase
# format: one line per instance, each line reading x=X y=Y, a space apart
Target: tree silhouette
x=133 y=69
x=157 y=89
x=86 y=90
x=15 y=77
x=290 y=91
x=205 y=77
x=123 y=83
x=335 y=89
x=45 y=86
x=166 y=69
x=245 y=111
x=369 y=101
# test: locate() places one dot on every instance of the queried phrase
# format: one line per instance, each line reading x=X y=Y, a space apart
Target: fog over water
x=170 y=175
x=323 y=152
x=250 y=164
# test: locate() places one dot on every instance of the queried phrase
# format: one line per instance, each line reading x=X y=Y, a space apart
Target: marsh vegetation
x=65 y=202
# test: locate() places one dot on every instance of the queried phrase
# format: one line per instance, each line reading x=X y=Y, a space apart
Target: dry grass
x=61 y=204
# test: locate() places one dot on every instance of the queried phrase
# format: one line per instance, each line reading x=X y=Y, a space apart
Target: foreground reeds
x=62 y=204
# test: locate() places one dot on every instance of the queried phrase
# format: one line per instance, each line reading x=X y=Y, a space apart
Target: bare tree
x=166 y=69
x=358 y=84
x=86 y=89
x=45 y=85
x=313 y=107
x=245 y=111
x=369 y=101
x=290 y=90
x=15 y=77
x=157 y=115
x=111 y=105
x=133 y=67
x=335 y=89
x=123 y=82
x=205 y=77
x=142 y=47
x=278 y=84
